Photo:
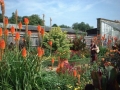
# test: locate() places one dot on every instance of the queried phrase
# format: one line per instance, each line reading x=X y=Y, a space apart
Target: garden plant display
x=24 y=68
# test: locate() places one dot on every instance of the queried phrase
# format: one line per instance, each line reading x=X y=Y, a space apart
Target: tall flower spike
x=50 y=43
x=2 y=44
x=0 y=32
x=12 y=30
x=52 y=60
x=74 y=73
x=42 y=32
x=6 y=32
x=1 y=1
x=24 y=52
x=16 y=14
x=39 y=50
x=39 y=28
x=29 y=33
x=6 y=21
x=20 y=25
x=3 y=8
x=26 y=21
x=17 y=36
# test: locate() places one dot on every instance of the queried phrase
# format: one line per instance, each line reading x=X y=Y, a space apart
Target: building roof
x=47 y=28
x=114 y=23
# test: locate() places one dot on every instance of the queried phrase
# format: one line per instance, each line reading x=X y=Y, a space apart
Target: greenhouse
x=108 y=27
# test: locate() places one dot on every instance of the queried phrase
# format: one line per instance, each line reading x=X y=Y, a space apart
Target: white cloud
x=89 y=6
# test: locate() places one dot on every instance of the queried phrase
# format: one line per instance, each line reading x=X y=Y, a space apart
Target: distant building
x=34 y=37
x=108 y=27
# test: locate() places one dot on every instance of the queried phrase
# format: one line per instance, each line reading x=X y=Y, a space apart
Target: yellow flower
x=69 y=86
x=77 y=88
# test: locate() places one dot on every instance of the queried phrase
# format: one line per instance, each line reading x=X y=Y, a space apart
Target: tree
x=35 y=20
x=54 y=25
x=64 y=26
x=12 y=18
x=81 y=26
x=75 y=26
x=1 y=19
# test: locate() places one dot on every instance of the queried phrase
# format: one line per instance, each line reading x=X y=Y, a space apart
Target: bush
x=103 y=50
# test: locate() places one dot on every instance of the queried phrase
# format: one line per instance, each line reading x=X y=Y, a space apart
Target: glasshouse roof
x=114 y=25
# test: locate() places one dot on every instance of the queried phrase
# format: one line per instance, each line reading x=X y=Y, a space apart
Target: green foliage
x=12 y=19
x=81 y=26
x=113 y=73
x=25 y=74
x=1 y=19
x=54 y=25
x=114 y=58
x=33 y=19
x=53 y=81
x=64 y=26
x=103 y=50
x=60 y=42
x=74 y=57
x=87 y=53
x=78 y=43
x=64 y=53
x=18 y=75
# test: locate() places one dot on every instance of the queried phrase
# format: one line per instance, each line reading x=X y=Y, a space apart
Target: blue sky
x=66 y=12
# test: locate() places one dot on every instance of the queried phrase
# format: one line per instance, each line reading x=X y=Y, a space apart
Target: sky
x=66 y=12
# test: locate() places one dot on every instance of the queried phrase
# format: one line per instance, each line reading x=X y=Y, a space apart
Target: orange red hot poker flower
x=40 y=51
x=20 y=25
x=6 y=21
x=17 y=36
x=29 y=33
x=52 y=61
x=2 y=44
x=26 y=21
x=24 y=52
x=50 y=43
x=6 y=32
x=0 y=32
x=1 y=1
x=39 y=28
x=12 y=30
x=42 y=32
x=74 y=73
